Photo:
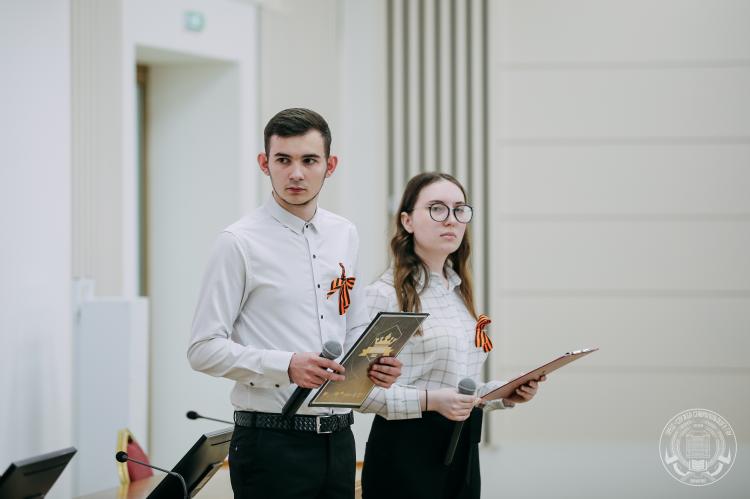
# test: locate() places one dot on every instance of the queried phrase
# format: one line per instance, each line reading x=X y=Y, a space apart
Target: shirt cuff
x=402 y=402
x=497 y=404
x=276 y=366
x=411 y=403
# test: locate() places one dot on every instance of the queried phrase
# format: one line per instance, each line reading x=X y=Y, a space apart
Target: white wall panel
x=581 y=405
x=362 y=172
x=653 y=332
x=615 y=469
x=111 y=386
x=36 y=408
x=623 y=179
x=298 y=67
x=625 y=103
x=623 y=255
x=162 y=24
x=531 y=31
x=195 y=146
x=107 y=39
x=620 y=154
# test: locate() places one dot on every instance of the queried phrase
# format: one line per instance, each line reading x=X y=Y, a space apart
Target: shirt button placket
x=316 y=279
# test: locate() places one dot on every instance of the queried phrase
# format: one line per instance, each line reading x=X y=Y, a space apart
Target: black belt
x=300 y=422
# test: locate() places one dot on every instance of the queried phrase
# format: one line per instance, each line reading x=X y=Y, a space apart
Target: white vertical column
x=35 y=220
x=97 y=152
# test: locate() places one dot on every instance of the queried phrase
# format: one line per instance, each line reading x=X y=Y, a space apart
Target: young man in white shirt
x=268 y=302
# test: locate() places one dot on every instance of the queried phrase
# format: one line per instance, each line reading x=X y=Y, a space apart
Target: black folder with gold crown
x=384 y=337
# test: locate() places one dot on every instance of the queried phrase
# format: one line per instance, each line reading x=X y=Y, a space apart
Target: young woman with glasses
x=416 y=416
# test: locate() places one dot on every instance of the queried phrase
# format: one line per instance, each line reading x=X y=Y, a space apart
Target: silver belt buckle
x=317 y=425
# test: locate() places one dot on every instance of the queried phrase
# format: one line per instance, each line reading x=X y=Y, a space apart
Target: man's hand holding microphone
x=309 y=370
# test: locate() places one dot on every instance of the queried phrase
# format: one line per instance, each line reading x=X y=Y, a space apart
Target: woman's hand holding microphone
x=449 y=403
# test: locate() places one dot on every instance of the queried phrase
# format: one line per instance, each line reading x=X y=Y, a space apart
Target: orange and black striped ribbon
x=481 y=340
x=343 y=285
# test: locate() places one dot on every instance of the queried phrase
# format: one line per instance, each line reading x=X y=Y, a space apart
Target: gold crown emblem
x=385 y=341
x=380 y=347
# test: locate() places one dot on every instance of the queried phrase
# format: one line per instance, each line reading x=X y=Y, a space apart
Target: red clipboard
x=510 y=387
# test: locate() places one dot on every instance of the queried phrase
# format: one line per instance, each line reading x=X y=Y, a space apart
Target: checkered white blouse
x=440 y=357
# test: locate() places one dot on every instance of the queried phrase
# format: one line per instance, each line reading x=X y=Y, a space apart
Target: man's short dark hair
x=294 y=122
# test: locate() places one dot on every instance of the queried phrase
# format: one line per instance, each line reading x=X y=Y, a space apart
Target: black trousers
x=280 y=464
x=404 y=459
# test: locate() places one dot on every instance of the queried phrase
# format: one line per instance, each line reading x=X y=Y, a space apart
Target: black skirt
x=405 y=458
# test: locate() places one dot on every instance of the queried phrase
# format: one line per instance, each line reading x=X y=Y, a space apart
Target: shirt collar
x=453 y=279
x=436 y=279
x=289 y=220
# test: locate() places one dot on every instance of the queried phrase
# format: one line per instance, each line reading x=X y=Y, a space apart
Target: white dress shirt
x=440 y=357
x=263 y=297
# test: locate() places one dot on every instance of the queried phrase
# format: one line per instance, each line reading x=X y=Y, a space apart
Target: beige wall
x=621 y=146
x=299 y=67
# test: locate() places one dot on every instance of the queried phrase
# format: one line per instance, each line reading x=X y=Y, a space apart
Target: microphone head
x=192 y=415
x=467 y=386
x=121 y=456
x=331 y=350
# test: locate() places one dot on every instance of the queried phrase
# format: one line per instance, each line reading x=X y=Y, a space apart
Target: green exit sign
x=195 y=21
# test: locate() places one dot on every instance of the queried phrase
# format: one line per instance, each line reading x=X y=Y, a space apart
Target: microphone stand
x=194 y=415
x=123 y=456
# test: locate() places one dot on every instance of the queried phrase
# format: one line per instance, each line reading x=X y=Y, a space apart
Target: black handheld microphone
x=123 y=456
x=331 y=350
x=195 y=415
x=465 y=387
